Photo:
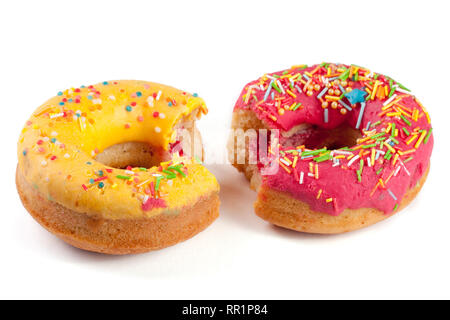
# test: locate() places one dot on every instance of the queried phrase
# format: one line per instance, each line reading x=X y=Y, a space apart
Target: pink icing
x=339 y=182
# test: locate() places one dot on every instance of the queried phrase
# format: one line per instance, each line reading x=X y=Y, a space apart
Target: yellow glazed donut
x=109 y=167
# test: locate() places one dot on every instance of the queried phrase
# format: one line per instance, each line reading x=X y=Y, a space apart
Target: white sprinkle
x=157 y=129
x=298 y=89
x=368 y=162
x=47 y=179
x=150 y=101
x=403 y=91
x=397 y=170
x=285 y=162
x=46 y=139
x=67 y=156
x=404 y=167
x=352 y=160
x=97 y=101
x=390 y=100
x=54 y=133
x=56 y=115
x=325 y=115
x=300 y=181
x=43 y=163
x=361 y=112
x=112 y=98
x=92 y=153
x=145 y=198
x=129 y=172
x=310 y=174
x=170 y=182
x=162 y=115
x=159 y=95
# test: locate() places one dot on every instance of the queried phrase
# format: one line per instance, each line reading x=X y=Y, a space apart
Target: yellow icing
x=57 y=147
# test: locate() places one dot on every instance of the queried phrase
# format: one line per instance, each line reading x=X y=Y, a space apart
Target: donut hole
x=314 y=137
x=187 y=142
x=134 y=154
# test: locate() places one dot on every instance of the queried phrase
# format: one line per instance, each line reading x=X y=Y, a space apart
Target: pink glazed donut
x=354 y=146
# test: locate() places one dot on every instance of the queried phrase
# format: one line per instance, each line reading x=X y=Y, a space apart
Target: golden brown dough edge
x=122 y=236
x=280 y=209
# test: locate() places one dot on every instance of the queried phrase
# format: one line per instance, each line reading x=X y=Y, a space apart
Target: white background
x=214 y=49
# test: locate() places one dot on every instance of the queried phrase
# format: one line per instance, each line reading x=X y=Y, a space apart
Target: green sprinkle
x=388 y=155
x=375 y=136
x=123 y=177
x=406 y=131
x=393 y=130
x=177 y=168
x=395 y=140
x=395 y=207
x=296 y=106
x=274 y=85
x=323 y=158
x=313 y=152
x=407 y=160
x=379 y=170
x=345 y=74
x=158 y=181
x=369 y=146
x=170 y=174
x=427 y=137
x=403 y=87
x=375 y=124
x=405 y=120
x=142 y=169
x=361 y=165
x=391 y=93
x=358 y=174
x=198 y=160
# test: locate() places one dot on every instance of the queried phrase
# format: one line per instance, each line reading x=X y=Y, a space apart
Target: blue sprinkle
x=138 y=93
x=392 y=194
x=128 y=108
x=88 y=162
x=61 y=103
x=268 y=90
x=90 y=97
x=70 y=100
x=105 y=83
x=60 y=93
x=53 y=140
x=101 y=185
x=170 y=104
x=82 y=87
x=24 y=152
x=195 y=95
x=91 y=180
x=100 y=173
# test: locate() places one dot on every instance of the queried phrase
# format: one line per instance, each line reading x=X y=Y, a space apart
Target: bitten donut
x=109 y=167
x=354 y=146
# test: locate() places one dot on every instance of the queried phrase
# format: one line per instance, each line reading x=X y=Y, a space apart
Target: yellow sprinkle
x=372 y=157
x=329 y=200
x=395 y=159
x=414 y=137
x=375 y=87
x=316 y=171
x=114 y=185
x=294 y=164
x=422 y=136
x=389 y=147
x=319 y=194
x=291 y=93
x=393 y=114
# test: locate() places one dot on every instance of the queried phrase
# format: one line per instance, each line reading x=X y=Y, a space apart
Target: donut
x=108 y=167
x=350 y=147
